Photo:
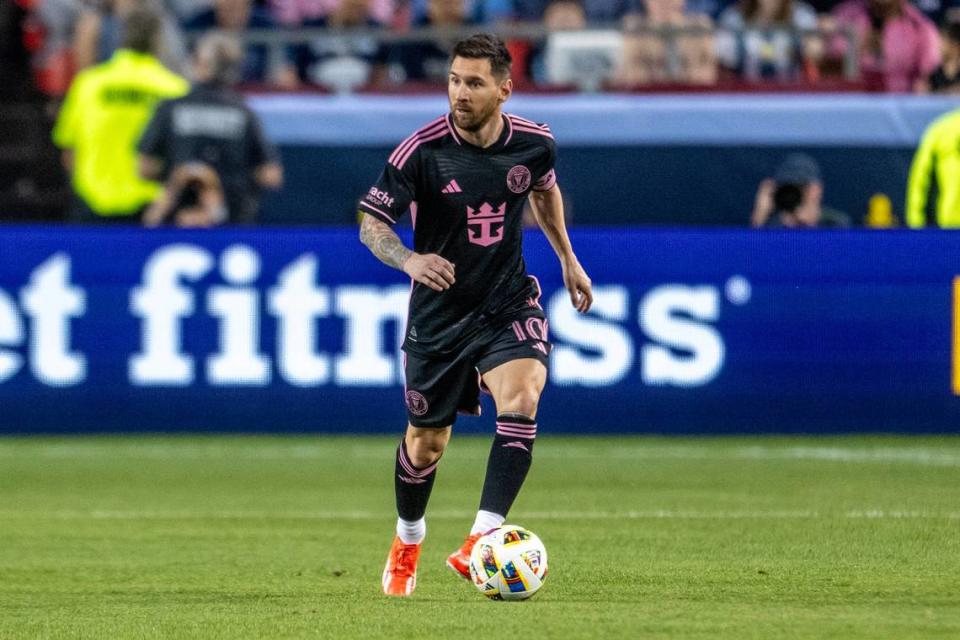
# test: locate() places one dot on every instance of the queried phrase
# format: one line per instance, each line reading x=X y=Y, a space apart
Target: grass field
x=257 y=537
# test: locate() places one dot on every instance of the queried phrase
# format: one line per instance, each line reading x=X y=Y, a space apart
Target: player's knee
x=522 y=400
x=425 y=446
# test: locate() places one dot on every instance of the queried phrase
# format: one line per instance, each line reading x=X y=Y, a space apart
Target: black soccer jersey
x=466 y=205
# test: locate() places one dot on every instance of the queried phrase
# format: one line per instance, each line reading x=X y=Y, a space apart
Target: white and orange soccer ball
x=508 y=563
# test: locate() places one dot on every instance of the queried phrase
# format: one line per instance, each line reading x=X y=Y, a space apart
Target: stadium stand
x=694 y=49
x=667 y=46
x=32 y=184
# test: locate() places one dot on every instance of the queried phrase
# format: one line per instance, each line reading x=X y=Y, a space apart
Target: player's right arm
x=428 y=269
x=389 y=199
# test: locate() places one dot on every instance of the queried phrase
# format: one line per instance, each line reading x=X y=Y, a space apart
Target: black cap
x=797 y=168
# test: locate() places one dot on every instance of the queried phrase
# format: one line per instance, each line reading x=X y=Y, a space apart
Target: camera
x=787 y=197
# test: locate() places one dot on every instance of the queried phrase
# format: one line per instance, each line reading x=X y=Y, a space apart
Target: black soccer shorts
x=438 y=389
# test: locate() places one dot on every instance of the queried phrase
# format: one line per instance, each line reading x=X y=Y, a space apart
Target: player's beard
x=474 y=119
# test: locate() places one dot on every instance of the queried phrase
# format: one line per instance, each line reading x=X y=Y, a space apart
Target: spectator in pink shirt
x=295 y=13
x=899 y=46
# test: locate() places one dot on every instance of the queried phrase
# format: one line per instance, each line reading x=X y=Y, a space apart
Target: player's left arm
x=548 y=210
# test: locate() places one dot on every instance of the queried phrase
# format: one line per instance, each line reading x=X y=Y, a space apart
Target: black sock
x=412 y=485
x=509 y=461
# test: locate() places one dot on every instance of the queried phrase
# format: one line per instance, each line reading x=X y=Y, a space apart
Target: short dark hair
x=485 y=46
x=141 y=30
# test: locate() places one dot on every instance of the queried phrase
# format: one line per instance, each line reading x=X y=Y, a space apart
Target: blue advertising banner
x=297 y=330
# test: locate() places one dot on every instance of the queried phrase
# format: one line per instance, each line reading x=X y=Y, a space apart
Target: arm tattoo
x=383 y=242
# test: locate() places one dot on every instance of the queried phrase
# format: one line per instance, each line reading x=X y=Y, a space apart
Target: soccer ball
x=509 y=563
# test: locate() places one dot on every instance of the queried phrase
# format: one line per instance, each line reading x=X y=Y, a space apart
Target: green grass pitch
x=266 y=537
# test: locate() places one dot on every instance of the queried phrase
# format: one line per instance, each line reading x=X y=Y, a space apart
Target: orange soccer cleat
x=400 y=574
x=459 y=560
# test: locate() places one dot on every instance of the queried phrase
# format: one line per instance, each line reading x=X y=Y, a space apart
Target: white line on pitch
x=653 y=514
x=922 y=456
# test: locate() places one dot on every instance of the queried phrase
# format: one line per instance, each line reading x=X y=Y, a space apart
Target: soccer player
x=474 y=318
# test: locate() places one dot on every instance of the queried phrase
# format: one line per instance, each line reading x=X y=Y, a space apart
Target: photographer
x=792 y=199
x=211 y=126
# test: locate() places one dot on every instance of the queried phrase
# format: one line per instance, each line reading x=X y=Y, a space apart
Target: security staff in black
x=474 y=314
x=213 y=126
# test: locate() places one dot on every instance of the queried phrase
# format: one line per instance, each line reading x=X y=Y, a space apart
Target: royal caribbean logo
x=485 y=224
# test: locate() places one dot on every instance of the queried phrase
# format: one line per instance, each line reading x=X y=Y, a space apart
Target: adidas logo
x=453 y=187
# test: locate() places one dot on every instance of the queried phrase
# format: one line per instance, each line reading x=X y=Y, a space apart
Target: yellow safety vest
x=104 y=114
x=938 y=157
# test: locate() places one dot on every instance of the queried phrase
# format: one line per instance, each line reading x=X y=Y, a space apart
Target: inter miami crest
x=518 y=179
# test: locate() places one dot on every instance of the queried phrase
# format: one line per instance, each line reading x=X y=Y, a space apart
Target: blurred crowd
x=884 y=45
x=179 y=145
